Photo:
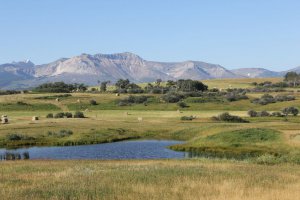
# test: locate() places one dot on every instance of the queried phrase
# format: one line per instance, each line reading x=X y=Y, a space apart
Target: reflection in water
x=141 y=149
x=12 y=155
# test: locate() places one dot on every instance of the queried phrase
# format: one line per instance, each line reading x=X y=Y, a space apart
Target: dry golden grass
x=164 y=179
x=237 y=83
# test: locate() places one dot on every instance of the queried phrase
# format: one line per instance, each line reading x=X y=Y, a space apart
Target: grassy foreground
x=165 y=179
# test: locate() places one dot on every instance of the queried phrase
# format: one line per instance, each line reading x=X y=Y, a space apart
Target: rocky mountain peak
x=120 y=56
x=88 y=69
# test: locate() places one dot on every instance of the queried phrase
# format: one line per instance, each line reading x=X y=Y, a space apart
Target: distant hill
x=90 y=69
x=256 y=73
x=297 y=69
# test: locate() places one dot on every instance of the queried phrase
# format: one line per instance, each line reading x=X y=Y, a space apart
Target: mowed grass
x=151 y=179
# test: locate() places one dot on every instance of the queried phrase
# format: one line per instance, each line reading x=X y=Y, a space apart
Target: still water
x=140 y=149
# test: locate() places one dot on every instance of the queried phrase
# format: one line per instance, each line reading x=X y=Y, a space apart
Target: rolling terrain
x=255 y=160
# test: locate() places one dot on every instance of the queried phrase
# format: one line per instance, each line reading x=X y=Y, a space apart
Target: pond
x=140 y=149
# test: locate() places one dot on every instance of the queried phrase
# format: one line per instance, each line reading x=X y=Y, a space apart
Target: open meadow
x=256 y=159
x=151 y=179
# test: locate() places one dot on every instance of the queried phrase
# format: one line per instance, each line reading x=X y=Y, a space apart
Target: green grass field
x=266 y=151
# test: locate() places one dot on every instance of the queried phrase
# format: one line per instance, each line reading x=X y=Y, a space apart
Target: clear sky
x=233 y=33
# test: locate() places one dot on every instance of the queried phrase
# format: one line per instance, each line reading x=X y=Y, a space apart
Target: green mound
x=238 y=144
x=254 y=135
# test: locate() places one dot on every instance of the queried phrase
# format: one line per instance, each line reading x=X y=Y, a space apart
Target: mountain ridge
x=90 y=69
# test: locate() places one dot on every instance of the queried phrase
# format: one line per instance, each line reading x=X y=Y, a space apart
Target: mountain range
x=90 y=69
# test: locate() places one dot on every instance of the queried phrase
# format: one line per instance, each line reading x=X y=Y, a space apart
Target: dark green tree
x=122 y=83
x=158 y=82
x=190 y=85
x=103 y=86
x=292 y=77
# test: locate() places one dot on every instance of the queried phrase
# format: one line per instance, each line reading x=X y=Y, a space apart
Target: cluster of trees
x=125 y=86
x=267 y=99
x=285 y=112
x=291 y=79
x=197 y=95
x=60 y=87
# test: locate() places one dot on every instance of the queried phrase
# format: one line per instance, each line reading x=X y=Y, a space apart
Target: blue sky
x=232 y=33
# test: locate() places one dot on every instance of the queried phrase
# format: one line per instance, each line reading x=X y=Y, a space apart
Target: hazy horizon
x=233 y=34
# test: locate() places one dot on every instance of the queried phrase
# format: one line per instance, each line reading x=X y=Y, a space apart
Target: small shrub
x=49 y=115
x=267 y=99
x=133 y=99
x=277 y=114
x=182 y=104
x=59 y=115
x=14 y=137
x=226 y=117
x=79 y=114
x=267 y=159
x=64 y=133
x=135 y=91
x=235 y=96
x=290 y=110
x=123 y=103
x=264 y=114
x=60 y=134
x=93 y=102
x=137 y=99
x=172 y=97
x=18 y=137
x=22 y=103
x=252 y=113
x=282 y=98
x=68 y=115
x=187 y=118
x=94 y=89
x=294 y=111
